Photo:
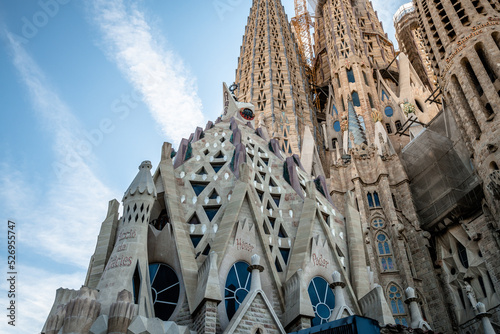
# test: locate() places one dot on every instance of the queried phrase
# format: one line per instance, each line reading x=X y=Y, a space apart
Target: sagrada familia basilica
x=357 y=192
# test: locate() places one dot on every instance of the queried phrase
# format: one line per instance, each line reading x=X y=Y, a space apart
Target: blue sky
x=88 y=90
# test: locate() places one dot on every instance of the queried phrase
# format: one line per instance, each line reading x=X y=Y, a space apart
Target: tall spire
x=271 y=76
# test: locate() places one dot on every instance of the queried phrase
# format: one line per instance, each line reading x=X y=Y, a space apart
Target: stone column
x=416 y=316
x=255 y=269
x=485 y=318
x=341 y=307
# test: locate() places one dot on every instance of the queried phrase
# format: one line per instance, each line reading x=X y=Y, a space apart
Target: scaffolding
x=442 y=180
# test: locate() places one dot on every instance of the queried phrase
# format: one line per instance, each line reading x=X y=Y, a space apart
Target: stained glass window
x=384 y=95
x=370 y=200
x=384 y=252
x=237 y=287
x=165 y=290
x=322 y=300
x=397 y=305
x=350 y=75
x=355 y=99
x=378 y=223
x=377 y=200
x=388 y=111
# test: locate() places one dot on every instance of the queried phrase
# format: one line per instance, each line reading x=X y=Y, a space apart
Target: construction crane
x=302 y=23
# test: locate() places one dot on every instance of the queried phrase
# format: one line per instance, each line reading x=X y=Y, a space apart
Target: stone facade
x=266 y=221
x=270 y=75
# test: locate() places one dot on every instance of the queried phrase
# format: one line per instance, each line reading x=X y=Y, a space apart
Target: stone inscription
x=127 y=235
x=320 y=261
x=243 y=245
x=119 y=261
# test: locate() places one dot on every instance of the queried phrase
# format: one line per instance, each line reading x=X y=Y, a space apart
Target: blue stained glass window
x=336 y=126
x=237 y=287
x=350 y=75
x=285 y=252
x=384 y=95
x=388 y=111
x=370 y=200
x=378 y=223
x=377 y=200
x=394 y=306
x=335 y=109
x=386 y=247
x=322 y=300
x=389 y=263
x=380 y=248
x=165 y=290
x=355 y=99
x=384 y=264
x=397 y=305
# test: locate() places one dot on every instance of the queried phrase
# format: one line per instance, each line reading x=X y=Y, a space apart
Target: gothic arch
x=395 y=298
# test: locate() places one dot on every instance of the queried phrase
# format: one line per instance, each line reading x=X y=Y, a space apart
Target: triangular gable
x=188 y=265
x=255 y=306
x=309 y=155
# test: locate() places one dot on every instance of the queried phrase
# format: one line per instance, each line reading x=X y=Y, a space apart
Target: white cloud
x=64 y=214
x=36 y=293
x=57 y=218
x=167 y=87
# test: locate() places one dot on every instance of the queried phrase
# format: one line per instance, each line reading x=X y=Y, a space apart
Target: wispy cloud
x=37 y=290
x=64 y=215
x=57 y=218
x=154 y=70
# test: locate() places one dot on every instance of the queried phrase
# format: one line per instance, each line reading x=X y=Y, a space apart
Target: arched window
x=165 y=290
x=397 y=305
x=388 y=111
x=378 y=223
x=371 y=101
x=493 y=166
x=334 y=143
x=377 y=200
x=398 y=125
x=365 y=78
x=355 y=99
x=384 y=95
x=370 y=200
x=462 y=255
x=350 y=75
x=388 y=127
x=419 y=106
x=384 y=252
x=237 y=287
x=334 y=109
x=322 y=300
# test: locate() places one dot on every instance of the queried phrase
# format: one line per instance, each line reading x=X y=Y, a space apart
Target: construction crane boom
x=302 y=23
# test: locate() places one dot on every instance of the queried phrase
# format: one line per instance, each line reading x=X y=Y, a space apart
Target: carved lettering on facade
x=121 y=248
x=119 y=261
x=127 y=235
x=243 y=245
x=320 y=261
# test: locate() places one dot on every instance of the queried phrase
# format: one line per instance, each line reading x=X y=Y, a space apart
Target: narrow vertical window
x=377 y=200
x=350 y=75
x=384 y=252
x=370 y=200
x=388 y=127
x=462 y=255
x=355 y=99
x=397 y=305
